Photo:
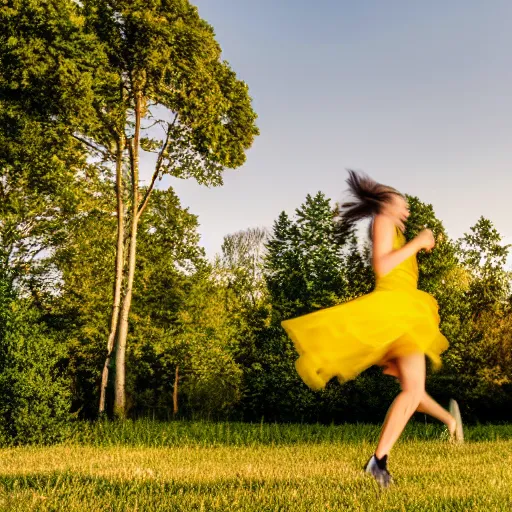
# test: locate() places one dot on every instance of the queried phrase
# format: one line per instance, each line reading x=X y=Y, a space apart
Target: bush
x=34 y=394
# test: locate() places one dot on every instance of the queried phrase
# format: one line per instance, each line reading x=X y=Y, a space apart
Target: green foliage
x=274 y=390
x=182 y=317
x=48 y=63
x=303 y=270
x=213 y=381
x=284 y=280
x=304 y=264
x=242 y=264
x=434 y=266
x=169 y=255
x=357 y=268
x=485 y=256
x=312 y=262
x=209 y=331
x=72 y=77
x=34 y=393
x=164 y=53
x=495 y=348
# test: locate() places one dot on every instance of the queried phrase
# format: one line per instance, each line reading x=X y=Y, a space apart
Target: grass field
x=139 y=466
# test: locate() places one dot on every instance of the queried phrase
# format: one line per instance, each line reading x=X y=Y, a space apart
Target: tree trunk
x=120 y=398
x=116 y=306
x=175 y=393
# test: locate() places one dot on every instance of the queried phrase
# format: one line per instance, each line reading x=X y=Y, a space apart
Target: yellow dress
x=395 y=319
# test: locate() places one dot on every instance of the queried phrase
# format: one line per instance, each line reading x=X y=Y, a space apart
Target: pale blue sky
x=417 y=94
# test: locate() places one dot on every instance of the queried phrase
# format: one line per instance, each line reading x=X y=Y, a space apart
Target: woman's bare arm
x=385 y=258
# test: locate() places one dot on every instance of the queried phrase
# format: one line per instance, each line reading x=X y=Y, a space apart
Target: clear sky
x=417 y=94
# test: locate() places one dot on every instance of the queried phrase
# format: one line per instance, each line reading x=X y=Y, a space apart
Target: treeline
x=205 y=337
x=108 y=305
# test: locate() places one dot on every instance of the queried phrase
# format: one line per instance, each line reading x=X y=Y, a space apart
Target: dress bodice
x=403 y=276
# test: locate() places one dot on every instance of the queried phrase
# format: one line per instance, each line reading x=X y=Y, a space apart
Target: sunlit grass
x=301 y=472
x=178 y=433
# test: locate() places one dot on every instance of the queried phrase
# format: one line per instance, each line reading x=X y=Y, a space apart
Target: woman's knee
x=415 y=395
x=410 y=400
x=414 y=386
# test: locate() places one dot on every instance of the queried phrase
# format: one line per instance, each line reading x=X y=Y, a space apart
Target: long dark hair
x=368 y=200
x=368 y=197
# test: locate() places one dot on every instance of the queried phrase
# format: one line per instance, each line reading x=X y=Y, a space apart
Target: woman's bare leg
x=427 y=404
x=411 y=369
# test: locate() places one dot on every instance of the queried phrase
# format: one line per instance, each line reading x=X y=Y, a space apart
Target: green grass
x=139 y=466
x=180 y=433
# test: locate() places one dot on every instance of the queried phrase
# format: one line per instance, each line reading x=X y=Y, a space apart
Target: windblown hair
x=368 y=198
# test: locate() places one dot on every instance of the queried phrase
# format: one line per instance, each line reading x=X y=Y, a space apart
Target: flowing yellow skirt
x=344 y=340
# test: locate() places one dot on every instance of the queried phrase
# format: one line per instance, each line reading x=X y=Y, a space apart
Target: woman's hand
x=425 y=240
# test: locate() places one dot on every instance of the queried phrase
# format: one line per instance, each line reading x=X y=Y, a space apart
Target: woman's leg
x=427 y=404
x=411 y=369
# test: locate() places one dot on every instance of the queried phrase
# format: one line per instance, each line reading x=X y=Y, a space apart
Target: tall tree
x=282 y=268
x=171 y=76
x=484 y=254
x=487 y=314
x=242 y=259
x=304 y=261
x=169 y=257
x=127 y=77
x=50 y=68
x=321 y=255
x=304 y=271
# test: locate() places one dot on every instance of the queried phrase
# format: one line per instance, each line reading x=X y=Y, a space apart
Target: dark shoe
x=377 y=468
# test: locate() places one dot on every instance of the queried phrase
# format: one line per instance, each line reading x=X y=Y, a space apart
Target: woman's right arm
x=385 y=258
